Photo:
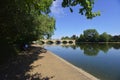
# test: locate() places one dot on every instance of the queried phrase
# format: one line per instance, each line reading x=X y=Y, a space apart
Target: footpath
x=52 y=67
x=39 y=64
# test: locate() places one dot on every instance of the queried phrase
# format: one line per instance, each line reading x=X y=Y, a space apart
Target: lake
x=100 y=60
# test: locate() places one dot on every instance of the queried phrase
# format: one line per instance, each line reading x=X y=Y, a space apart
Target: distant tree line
x=73 y=37
x=91 y=35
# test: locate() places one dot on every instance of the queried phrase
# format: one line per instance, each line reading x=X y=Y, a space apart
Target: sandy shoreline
x=56 y=68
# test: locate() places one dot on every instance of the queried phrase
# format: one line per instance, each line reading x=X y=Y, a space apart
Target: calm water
x=100 y=60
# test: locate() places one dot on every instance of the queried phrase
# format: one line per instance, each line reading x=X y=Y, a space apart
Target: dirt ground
x=37 y=64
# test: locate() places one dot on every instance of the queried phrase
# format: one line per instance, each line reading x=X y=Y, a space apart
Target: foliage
x=115 y=38
x=104 y=37
x=85 y=7
x=45 y=25
x=23 y=21
x=69 y=38
x=66 y=37
x=74 y=37
x=91 y=35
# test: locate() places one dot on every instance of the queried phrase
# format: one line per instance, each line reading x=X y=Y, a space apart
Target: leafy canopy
x=23 y=21
x=85 y=7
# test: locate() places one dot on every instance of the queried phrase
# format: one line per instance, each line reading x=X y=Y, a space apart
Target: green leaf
x=71 y=10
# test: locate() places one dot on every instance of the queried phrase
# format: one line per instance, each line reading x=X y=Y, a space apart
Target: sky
x=68 y=24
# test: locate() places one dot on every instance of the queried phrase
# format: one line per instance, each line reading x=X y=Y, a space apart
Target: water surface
x=100 y=60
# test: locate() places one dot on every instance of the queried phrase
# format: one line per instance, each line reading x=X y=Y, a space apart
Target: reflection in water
x=100 y=60
x=92 y=49
x=67 y=46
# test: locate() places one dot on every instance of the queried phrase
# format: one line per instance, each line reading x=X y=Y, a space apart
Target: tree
x=45 y=25
x=17 y=17
x=22 y=22
x=104 y=37
x=85 y=7
x=91 y=35
x=115 y=38
x=81 y=38
x=74 y=37
x=66 y=37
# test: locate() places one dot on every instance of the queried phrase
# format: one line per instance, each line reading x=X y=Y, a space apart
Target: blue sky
x=68 y=24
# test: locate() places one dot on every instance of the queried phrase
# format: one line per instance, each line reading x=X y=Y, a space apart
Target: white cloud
x=56 y=9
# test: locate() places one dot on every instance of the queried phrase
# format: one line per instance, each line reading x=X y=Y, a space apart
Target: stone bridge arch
x=54 y=41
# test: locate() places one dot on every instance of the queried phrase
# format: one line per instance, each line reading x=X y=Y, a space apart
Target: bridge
x=56 y=41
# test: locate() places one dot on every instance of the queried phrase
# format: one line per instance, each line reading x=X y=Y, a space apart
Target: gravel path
x=55 y=68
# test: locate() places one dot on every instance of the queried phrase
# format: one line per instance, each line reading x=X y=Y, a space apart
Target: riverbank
x=55 y=68
x=36 y=65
